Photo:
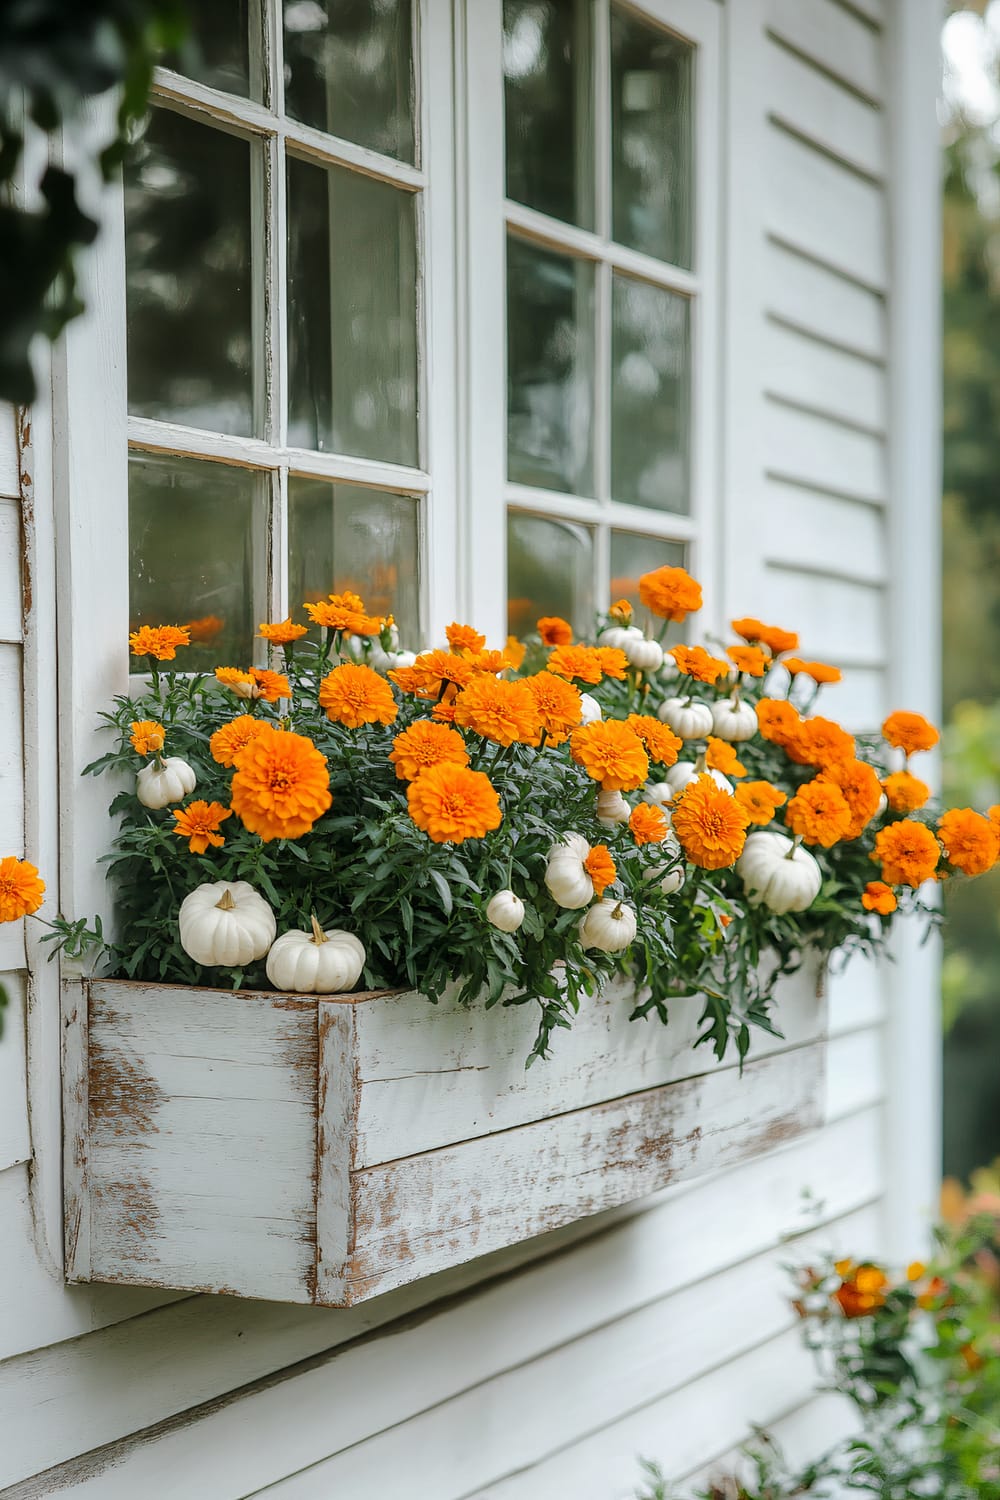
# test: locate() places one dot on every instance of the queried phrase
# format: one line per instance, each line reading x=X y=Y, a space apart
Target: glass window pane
x=632 y=555
x=650 y=395
x=651 y=138
x=349 y=70
x=550 y=571
x=550 y=368
x=344 y=537
x=352 y=314
x=549 y=116
x=187 y=245
x=197 y=554
x=217 y=51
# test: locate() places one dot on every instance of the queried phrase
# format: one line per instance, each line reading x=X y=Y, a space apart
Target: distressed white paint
x=14 y=1140
x=8 y=453
x=10 y=571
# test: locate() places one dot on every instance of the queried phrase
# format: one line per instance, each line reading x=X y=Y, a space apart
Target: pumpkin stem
x=617 y=913
x=701 y=764
x=319 y=936
x=227 y=903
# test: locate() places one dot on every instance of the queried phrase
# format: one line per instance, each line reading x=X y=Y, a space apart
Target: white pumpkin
x=568 y=883
x=672 y=879
x=619 y=635
x=685 y=771
x=506 y=911
x=645 y=656
x=612 y=809
x=608 y=925
x=590 y=709
x=689 y=720
x=316 y=962
x=658 y=794
x=166 y=779
x=778 y=875
x=225 y=922
x=734 y=720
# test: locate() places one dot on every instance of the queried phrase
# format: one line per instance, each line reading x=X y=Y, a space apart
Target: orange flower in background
x=444 y=712
x=147 y=736
x=344 y=612
x=353 y=695
x=514 y=651
x=908 y=853
x=817 y=670
x=760 y=801
x=270 y=685
x=648 y=824
x=970 y=840
x=621 y=612
x=282 y=632
x=451 y=803
x=862 y=791
x=879 y=897
x=488 y=661
x=696 y=662
x=670 y=593
x=557 y=703
x=777 y=640
x=199 y=823
x=862 y=1291
x=819 y=742
x=710 y=824
x=581 y=662
x=601 y=868
x=905 y=793
x=777 y=720
x=21 y=889
x=462 y=638
x=281 y=786
x=819 y=813
x=232 y=739
x=555 y=631
x=909 y=732
x=500 y=711
x=423 y=745
x=720 y=755
x=431 y=672
x=159 y=641
x=206 y=629
x=749 y=628
x=240 y=683
x=613 y=662
x=658 y=740
x=749 y=659
x=610 y=753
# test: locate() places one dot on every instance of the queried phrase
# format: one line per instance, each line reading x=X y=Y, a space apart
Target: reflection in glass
x=651 y=151
x=187 y=255
x=631 y=556
x=344 y=537
x=217 y=52
x=650 y=395
x=349 y=70
x=549 y=119
x=352 y=314
x=550 y=571
x=197 y=554
x=550 y=368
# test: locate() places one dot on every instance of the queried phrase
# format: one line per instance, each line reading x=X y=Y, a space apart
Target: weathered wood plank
x=812 y=297
x=336 y=1125
x=10 y=571
x=823 y=209
x=836 y=41
x=819 y=109
x=15 y=1139
x=805 y=372
x=76 y=1130
x=11 y=756
x=8 y=452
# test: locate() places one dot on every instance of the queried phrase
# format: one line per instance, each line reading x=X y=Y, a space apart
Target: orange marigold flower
x=905 y=793
x=749 y=628
x=710 y=824
x=720 y=755
x=696 y=662
x=462 y=638
x=819 y=813
x=907 y=851
x=879 y=897
x=621 y=612
x=909 y=732
x=444 y=712
x=231 y=740
x=353 y=695
x=658 y=740
x=488 y=661
x=670 y=593
x=555 y=631
x=862 y=791
x=502 y=711
x=613 y=662
x=557 y=703
x=344 y=612
x=147 y=736
x=970 y=840
x=160 y=641
x=581 y=662
x=862 y=1292
x=281 y=785
x=270 y=685
x=423 y=745
x=21 y=889
x=749 y=659
x=199 y=823
x=282 y=632
x=648 y=824
x=601 y=868
x=610 y=753
x=240 y=683
x=431 y=671
x=819 y=742
x=451 y=803
x=777 y=720
x=817 y=670
x=205 y=629
x=777 y=640
x=759 y=800
x=514 y=651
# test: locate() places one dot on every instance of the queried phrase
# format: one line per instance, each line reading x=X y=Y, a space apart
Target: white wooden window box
x=312 y=1149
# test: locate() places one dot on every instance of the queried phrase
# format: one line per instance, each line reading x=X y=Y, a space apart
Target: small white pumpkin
x=619 y=636
x=608 y=925
x=658 y=794
x=645 y=656
x=506 y=911
x=734 y=720
x=316 y=962
x=590 y=709
x=568 y=883
x=225 y=922
x=166 y=779
x=612 y=809
x=690 y=720
x=685 y=771
x=778 y=875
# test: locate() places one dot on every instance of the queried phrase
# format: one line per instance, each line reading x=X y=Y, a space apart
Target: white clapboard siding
x=10 y=570
x=15 y=1144
x=823 y=112
x=807 y=295
x=822 y=208
x=809 y=373
x=824 y=533
x=8 y=452
x=846 y=618
x=855 y=995
x=862 y=701
x=835 y=40
x=813 y=1427
x=11 y=756
x=855 y=1078
x=813 y=451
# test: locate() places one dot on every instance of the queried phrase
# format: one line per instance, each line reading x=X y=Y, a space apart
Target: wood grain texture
x=8 y=452
x=11 y=755
x=15 y=1139
x=10 y=570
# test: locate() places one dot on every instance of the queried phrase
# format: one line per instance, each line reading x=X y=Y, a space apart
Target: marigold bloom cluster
x=159 y=641
x=451 y=803
x=463 y=639
x=558 y=705
x=818 y=742
x=905 y=793
x=353 y=695
x=970 y=840
x=819 y=671
x=601 y=868
x=760 y=801
x=423 y=745
x=147 y=736
x=908 y=853
x=588 y=664
x=861 y=1291
x=720 y=755
x=554 y=631
x=433 y=673
x=227 y=743
x=344 y=613
x=199 y=823
x=879 y=898
x=282 y=632
x=658 y=740
x=648 y=824
x=749 y=659
x=861 y=790
x=818 y=813
x=21 y=889
x=281 y=786
x=710 y=825
x=670 y=593
x=610 y=753
x=909 y=732
x=696 y=662
x=772 y=636
x=501 y=711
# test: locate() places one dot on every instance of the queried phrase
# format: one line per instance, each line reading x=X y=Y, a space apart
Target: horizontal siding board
x=11 y=755
x=802 y=528
x=838 y=619
x=834 y=39
x=816 y=453
x=861 y=701
x=813 y=1427
x=825 y=210
x=15 y=1142
x=855 y=1076
x=69 y=1399
x=9 y=485
x=856 y=994
x=10 y=570
x=809 y=296
x=816 y=107
x=806 y=372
